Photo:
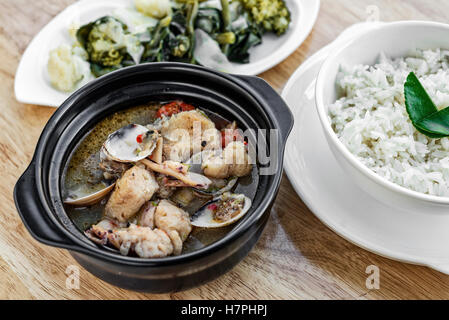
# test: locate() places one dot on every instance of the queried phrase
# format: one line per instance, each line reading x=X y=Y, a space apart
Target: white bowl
x=396 y=39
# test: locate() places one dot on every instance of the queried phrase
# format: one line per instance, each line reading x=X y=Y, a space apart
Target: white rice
x=372 y=122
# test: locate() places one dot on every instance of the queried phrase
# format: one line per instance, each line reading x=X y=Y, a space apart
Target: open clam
x=112 y=170
x=218 y=187
x=81 y=198
x=131 y=144
x=222 y=211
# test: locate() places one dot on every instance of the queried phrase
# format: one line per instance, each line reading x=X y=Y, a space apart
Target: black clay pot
x=37 y=194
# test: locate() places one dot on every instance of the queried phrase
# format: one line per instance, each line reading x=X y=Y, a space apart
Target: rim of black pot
x=91 y=249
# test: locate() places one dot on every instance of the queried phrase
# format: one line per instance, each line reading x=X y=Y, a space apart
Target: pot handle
x=30 y=210
x=279 y=108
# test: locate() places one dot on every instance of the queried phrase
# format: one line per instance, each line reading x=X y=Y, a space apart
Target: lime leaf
x=423 y=112
x=437 y=123
x=418 y=103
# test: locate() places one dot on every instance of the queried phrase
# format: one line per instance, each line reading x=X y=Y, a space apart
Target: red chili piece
x=213 y=207
x=227 y=137
x=173 y=108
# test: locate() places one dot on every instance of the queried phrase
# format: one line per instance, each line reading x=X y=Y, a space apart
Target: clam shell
x=91 y=199
x=123 y=145
x=229 y=185
x=204 y=218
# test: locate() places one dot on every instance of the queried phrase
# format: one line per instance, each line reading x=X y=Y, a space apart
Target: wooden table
x=297 y=257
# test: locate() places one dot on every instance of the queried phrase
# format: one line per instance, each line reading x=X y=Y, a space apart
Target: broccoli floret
x=108 y=44
x=273 y=15
x=102 y=40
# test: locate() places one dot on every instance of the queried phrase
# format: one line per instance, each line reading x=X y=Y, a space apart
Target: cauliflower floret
x=154 y=8
x=67 y=68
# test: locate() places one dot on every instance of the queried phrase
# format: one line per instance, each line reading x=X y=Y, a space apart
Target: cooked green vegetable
x=209 y=20
x=226 y=14
x=233 y=29
x=192 y=13
x=68 y=68
x=423 y=113
x=170 y=40
x=245 y=40
x=273 y=15
x=109 y=45
x=154 y=49
x=154 y=8
x=226 y=38
x=180 y=46
x=248 y=34
x=190 y=31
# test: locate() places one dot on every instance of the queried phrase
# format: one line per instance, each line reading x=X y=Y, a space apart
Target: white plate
x=411 y=237
x=33 y=87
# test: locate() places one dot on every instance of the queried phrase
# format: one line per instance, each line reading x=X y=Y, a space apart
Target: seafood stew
x=160 y=180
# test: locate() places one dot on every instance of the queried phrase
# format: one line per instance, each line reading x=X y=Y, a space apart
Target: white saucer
x=32 y=85
x=411 y=237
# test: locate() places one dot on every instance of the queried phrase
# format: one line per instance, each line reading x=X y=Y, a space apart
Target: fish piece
x=158 y=152
x=145 y=242
x=146 y=215
x=99 y=233
x=187 y=131
x=169 y=217
x=216 y=167
x=236 y=155
x=233 y=162
x=136 y=187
